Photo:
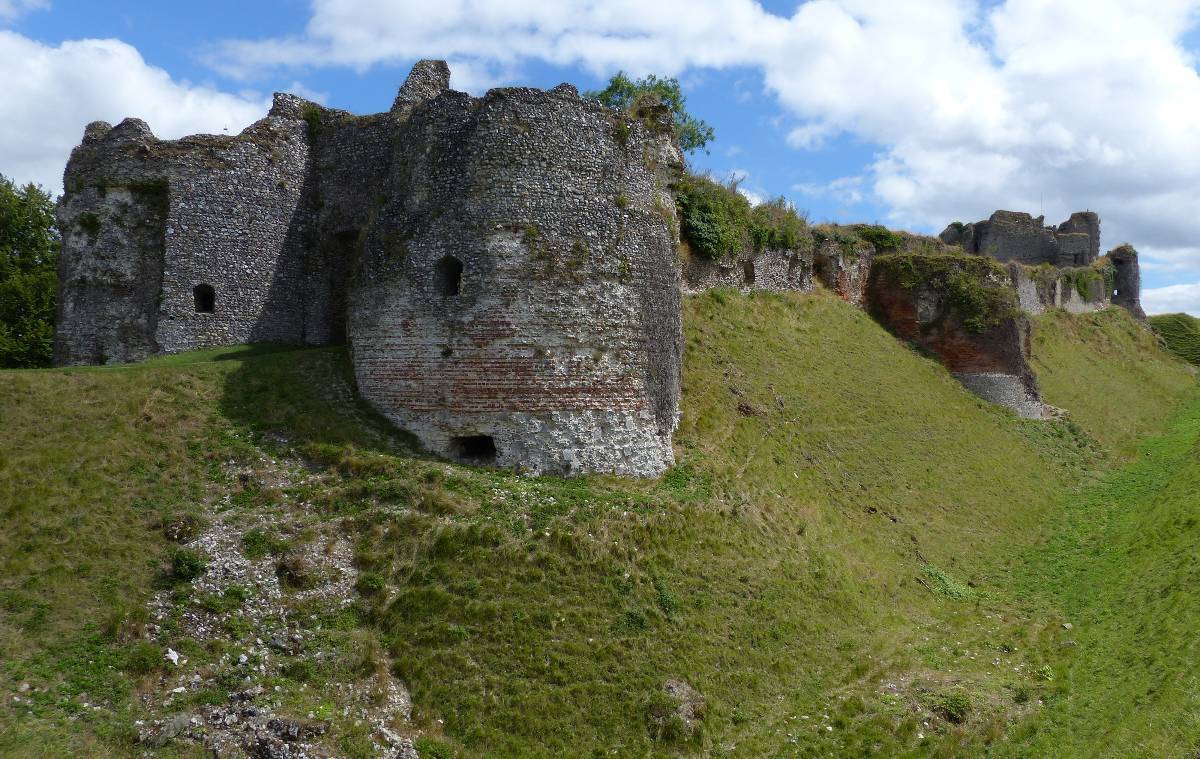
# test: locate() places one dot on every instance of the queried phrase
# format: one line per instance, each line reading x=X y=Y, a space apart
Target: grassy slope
x=841 y=546
x=1181 y=335
x=1121 y=565
x=1122 y=387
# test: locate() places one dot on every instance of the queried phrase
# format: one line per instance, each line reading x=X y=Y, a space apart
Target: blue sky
x=910 y=113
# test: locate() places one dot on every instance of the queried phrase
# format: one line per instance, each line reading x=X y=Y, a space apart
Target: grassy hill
x=1181 y=335
x=1110 y=373
x=853 y=556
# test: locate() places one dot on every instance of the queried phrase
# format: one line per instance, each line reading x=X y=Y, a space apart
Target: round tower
x=517 y=297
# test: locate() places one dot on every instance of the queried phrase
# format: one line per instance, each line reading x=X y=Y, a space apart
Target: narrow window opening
x=206 y=298
x=447 y=276
x=474 y=449
x=748 y=272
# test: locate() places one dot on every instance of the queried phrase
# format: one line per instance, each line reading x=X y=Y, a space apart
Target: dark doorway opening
x=447 y=276
x=748 y=272
x=474 y=449
x=205 y=297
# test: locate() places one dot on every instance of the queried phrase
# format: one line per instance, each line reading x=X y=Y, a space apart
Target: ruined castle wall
x=1039 y=290
x=769 y=270
x=1013 y=236
x=150 y=221
x=113 y=224
x=1127 y=287
x=1086 y=223
x=844 y=271
x=988 y=352
x=352 y=157
x=113 y=219
x=518 y=299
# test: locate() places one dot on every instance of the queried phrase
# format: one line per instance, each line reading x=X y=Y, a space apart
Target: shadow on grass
x=306 y=398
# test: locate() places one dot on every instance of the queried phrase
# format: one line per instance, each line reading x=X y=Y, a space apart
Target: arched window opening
x=206 y=298
x=447 y=276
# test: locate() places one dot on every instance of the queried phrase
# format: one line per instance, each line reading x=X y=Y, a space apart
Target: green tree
x=29 y=246
x=629 y=95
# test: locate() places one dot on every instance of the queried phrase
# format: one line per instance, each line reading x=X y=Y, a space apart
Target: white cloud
x=52 y=92
x=11 y=9
x=1172 y=299
x=845 y=190
x=973 y=105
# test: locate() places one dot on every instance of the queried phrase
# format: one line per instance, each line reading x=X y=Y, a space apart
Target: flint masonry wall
x=518 y=298
x=147 y=222
x=963 y=310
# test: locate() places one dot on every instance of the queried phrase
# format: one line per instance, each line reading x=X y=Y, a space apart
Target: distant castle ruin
x=505 y=270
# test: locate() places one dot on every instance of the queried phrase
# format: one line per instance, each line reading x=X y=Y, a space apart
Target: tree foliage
x=629 y=95
x=29 y=247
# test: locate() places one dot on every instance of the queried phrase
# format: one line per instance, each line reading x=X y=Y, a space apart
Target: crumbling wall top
x=426 y=81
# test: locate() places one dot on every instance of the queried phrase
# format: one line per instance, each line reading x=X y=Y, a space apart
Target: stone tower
x=517 y=299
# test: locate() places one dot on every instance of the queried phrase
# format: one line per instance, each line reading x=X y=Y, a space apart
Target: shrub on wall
x=718 y=221
x=632 y=95
x=28 y=275
x=975 y=287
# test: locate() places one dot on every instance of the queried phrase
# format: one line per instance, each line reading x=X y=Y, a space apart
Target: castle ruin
x=505 y=270
x=501 y=267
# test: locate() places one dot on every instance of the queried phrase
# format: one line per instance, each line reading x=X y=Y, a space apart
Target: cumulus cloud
x=1172 y=299
x=972 y=105
x=11 y=9
x=51 y=92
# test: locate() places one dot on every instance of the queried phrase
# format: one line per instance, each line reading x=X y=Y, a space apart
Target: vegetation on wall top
x=633 y=95
x=719 y=221
x=975 y=287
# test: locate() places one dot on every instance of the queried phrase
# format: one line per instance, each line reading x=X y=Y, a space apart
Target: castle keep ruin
x=506 y=270
x=501 y=267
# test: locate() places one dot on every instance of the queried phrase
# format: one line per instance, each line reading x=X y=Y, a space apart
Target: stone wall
x=771 y=270
x=153 y=225
x=1017 y=236
x=506 y=269
x=1127 y=287
x=844 y=268
x=518 y=298
x=503 y=267
x=1043 y=288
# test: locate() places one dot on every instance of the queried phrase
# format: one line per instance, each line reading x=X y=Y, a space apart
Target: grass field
x=853 y=556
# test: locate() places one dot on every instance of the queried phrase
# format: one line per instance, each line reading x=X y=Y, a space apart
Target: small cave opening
x=474 y=449
x=205 y=297
x=447 y=276
x=748 y=272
